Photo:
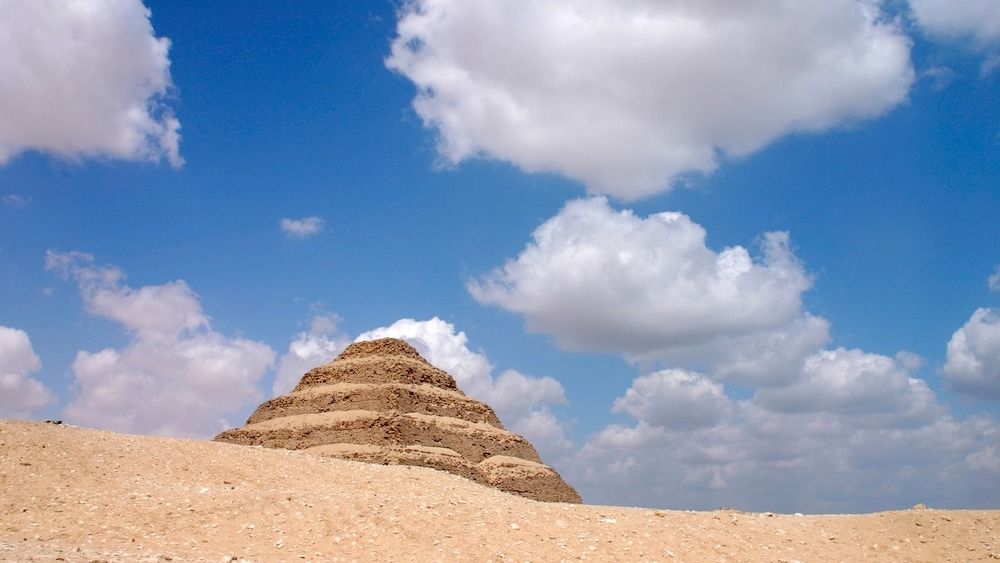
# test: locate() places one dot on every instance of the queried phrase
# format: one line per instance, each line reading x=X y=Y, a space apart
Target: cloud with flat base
x=630 y=97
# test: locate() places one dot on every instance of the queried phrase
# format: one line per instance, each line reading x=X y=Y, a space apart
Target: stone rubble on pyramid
x=381 y=402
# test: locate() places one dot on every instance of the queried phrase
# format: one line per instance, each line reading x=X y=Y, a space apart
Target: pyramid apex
x=381 y=347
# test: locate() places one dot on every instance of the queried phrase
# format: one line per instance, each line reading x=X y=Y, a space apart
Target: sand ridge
x=86 y=495
x=476 y=441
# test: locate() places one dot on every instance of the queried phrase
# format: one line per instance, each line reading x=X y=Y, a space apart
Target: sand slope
x=84 y=495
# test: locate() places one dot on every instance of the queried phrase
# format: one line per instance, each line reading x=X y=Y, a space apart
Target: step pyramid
x=381 y=402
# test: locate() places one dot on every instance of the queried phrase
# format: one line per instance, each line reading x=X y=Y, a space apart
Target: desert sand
x=76 y=494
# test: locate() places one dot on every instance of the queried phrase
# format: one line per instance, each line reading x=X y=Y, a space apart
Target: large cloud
x=975 y=20
x=626 y=95
x=973 y=362
x=853 y=382
x=807 y=428
x=674 y=399
x=84 y=78
x=19 y=393
x=176 y=376
x=693 y=447
x=520 y=400
x=761 y=359
x=600 y=279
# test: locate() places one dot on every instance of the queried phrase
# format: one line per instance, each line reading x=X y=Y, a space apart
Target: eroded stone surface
x=381 y=402
x=402 y=397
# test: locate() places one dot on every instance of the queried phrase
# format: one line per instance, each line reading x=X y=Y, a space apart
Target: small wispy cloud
x=940 y=76
x=994 y=280
x=15 y=200
x=989 y=66
x=974 y=25
x=302 y=228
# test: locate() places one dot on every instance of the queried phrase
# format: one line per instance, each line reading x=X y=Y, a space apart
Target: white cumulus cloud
x=851 y=382
x=515 y=392
x=675 y=399
x=301 y=228
x=520 y=400
x=308 y=349
x=754 y=405
x=600 y=279
x=20 y=394
x=85 y=78
x=973 y=362
x=545 y=431
x=742 y=454
x=175 y=376
x=761 y=359
x=628 y=95
x=975 y=20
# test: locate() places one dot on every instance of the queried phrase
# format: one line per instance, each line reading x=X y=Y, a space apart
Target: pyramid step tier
x=393 y=369
x=526 y=478
x=474 y=441
x=400 y=397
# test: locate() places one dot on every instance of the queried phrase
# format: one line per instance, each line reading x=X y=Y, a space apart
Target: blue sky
x=567 y=205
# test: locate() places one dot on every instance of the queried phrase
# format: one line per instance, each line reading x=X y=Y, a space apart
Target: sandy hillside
x=82 y=495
